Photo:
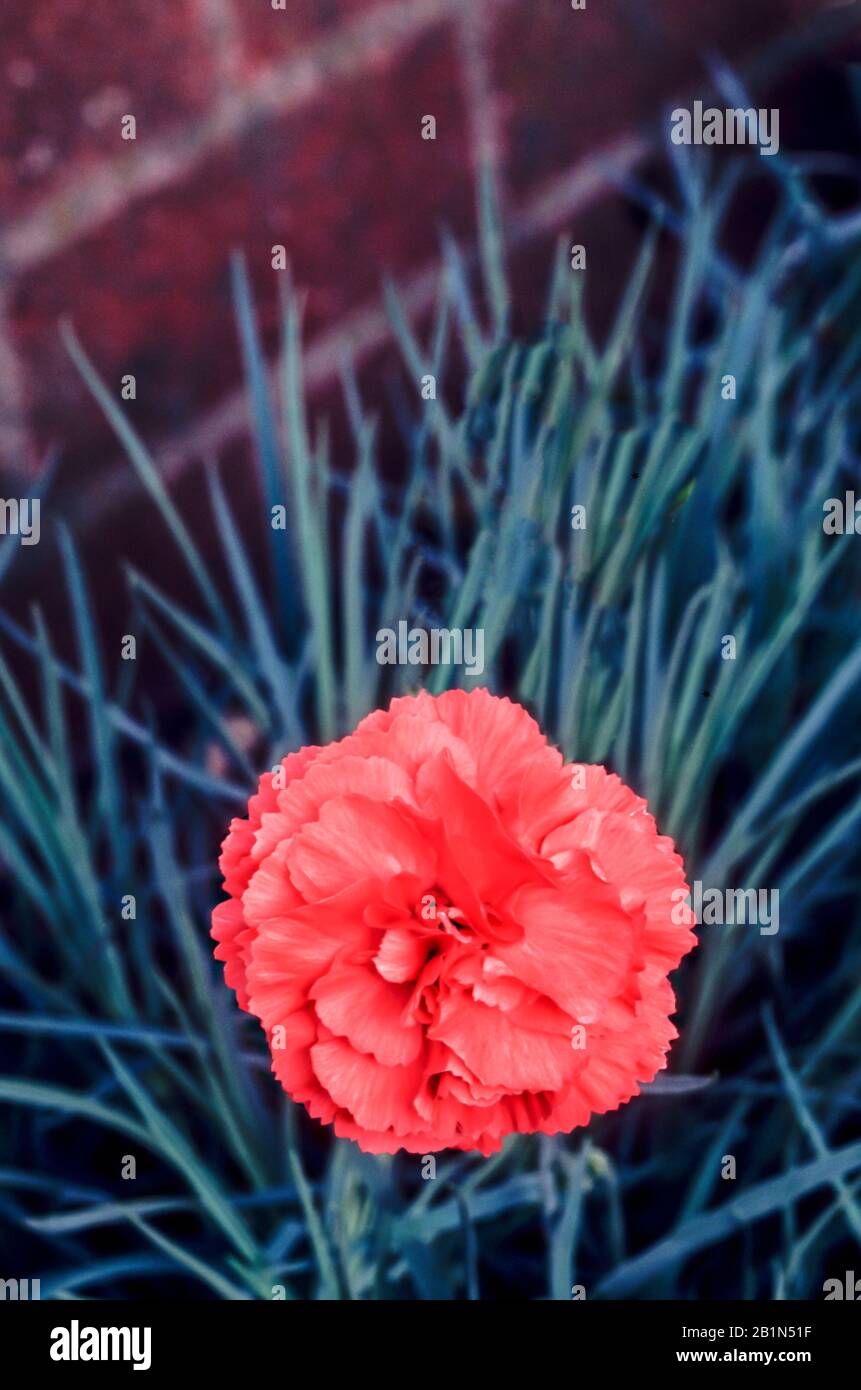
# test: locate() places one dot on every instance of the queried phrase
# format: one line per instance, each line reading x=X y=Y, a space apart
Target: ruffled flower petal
x=447 y=935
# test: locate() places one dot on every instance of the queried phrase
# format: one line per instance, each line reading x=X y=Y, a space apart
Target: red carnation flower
x=446 y=935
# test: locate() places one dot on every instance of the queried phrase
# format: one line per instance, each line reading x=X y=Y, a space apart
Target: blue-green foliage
x=704 y=518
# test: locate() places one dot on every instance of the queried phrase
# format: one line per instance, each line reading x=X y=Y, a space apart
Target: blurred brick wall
x=300 y=126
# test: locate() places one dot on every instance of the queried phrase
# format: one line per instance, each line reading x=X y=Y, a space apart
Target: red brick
x=72 y=68
x=353 y=190
x=346 y=183
x=350 y=189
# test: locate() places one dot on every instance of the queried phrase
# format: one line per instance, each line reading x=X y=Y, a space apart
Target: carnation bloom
x=446 y=935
